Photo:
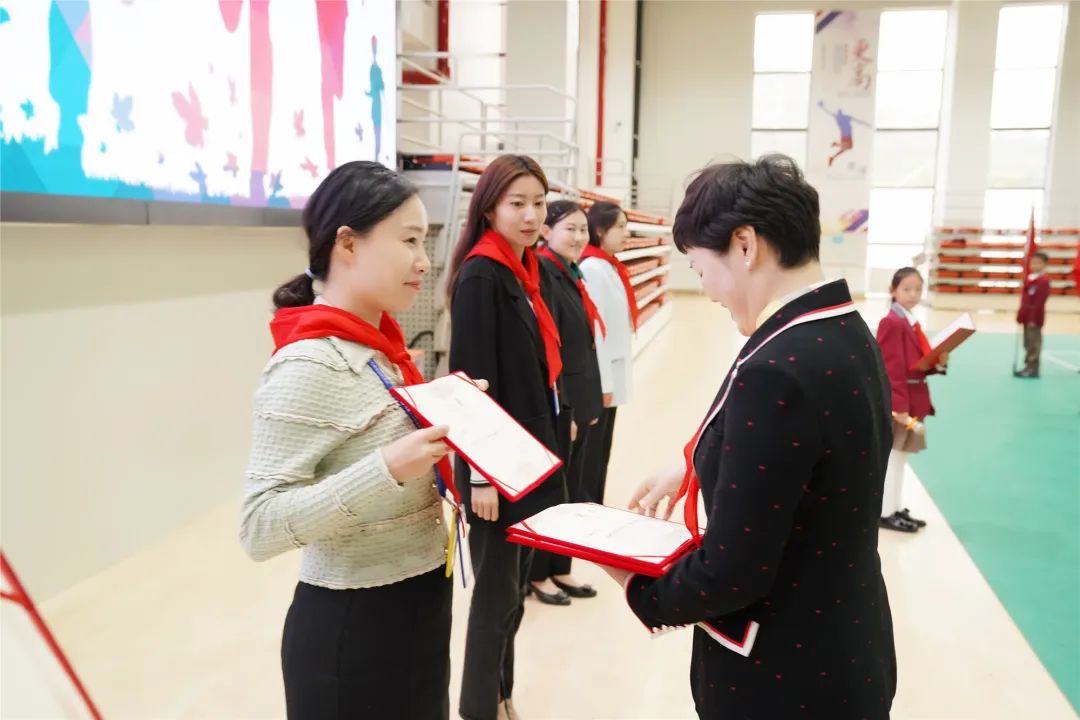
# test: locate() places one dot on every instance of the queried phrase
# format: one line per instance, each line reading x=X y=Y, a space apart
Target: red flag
x=1076 y=268
x=1029 y=250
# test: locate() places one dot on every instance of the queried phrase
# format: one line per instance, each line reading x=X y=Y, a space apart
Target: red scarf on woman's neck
x=624 y=275
x=590 y=307
x=494 y=246
x=310 y=322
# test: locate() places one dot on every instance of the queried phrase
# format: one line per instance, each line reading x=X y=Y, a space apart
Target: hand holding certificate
x=484 y=434
x=606 y=535
x=945 y=341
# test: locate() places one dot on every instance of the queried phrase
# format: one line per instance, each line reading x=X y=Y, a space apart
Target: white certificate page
x=608 y=530
x=484 y=434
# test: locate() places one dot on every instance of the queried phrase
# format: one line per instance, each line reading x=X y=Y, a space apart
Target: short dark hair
x=559 y=210
x=1041 y=255
x=602 y=217
x=902 y=274
x=770 y=195
x=358 y=195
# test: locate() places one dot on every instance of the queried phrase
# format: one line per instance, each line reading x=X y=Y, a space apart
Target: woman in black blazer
x=566 y=234
x=785 y=589
x=502 y=330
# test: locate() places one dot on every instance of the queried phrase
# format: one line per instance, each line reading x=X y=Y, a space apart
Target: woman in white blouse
x=609 y=286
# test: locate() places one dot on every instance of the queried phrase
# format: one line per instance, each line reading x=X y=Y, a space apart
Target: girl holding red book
x=903 y=343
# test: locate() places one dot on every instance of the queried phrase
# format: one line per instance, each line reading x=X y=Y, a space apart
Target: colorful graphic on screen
x=231 y=102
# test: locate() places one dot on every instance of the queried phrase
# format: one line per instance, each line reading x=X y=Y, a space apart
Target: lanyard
x=458 y=524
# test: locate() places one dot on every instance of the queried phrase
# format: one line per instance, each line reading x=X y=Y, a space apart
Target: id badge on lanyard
x=458 y=541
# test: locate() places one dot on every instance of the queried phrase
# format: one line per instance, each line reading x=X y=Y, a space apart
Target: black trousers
x=597 y=455
x=371 y=653
x=498 y=604
x=545 y=564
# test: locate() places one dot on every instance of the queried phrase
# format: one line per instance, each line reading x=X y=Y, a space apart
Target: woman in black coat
x=785 y=590
x=502 y=330
x=566 y=235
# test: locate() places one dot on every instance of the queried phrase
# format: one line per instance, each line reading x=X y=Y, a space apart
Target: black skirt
x=370 y=653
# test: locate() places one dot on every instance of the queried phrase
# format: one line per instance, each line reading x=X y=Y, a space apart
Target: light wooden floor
x=190 y=628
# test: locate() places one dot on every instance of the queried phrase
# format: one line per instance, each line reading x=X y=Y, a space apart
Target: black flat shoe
x=906 y=514
x=898 y=523
x=559 y=598
x=575 y=591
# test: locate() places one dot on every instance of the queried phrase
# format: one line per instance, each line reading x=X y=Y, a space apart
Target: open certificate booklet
x=947 y=340
x=606 y=535
x=484 y=434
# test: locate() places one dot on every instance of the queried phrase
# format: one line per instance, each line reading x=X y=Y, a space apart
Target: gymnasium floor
x=190 y=628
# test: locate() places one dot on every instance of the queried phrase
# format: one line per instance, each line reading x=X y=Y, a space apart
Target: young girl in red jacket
x=903 y=343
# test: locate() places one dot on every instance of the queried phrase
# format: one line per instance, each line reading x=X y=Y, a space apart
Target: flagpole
x=1029 y=250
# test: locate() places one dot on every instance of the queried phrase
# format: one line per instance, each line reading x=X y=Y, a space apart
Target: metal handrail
x=514 y=120
x=490 y=88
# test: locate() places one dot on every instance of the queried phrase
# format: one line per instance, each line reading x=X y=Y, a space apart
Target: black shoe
x=575 y=591
x=898 y=523
x=906 y=514
x=1026 y=374
x=559 y=598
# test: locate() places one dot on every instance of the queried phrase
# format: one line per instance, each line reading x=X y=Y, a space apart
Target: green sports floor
x=1004 y=468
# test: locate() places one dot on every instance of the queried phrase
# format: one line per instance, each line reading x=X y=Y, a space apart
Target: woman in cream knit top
x=316 y=478
x=338 y=469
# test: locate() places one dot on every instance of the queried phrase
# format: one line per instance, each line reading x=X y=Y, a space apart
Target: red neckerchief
x=494 y=246
x=310 y=322
x=590 y=307
x=592 y=251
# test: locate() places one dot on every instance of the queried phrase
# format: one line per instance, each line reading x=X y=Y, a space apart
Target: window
x=783 y=55
x=1021 y=112
x=907 y=113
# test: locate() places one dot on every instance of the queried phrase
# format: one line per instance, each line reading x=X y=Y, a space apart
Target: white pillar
x=964 y=144
x=1063 y=207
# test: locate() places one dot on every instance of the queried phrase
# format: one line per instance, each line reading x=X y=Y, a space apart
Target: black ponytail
x=358 y=195
x=297 y=292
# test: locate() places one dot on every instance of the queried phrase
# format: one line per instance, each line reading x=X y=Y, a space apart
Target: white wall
x=587 y=90
x=477 y=35
x=964 y=149
x=417 y=32
x=129 y=359
x=619 y=91
x=697 y=89
x=418 y=23
x=618 y=96
x=1064 y=197
x=542 y=50
x=696 y=85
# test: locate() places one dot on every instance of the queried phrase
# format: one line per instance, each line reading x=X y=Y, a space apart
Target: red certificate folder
x=482 y=433
x=606 y=535
x=947 y=340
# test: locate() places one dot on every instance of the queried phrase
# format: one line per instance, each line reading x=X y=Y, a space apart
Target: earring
x=747 y=264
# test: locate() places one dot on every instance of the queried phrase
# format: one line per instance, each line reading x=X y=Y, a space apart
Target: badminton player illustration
x=843 y=123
